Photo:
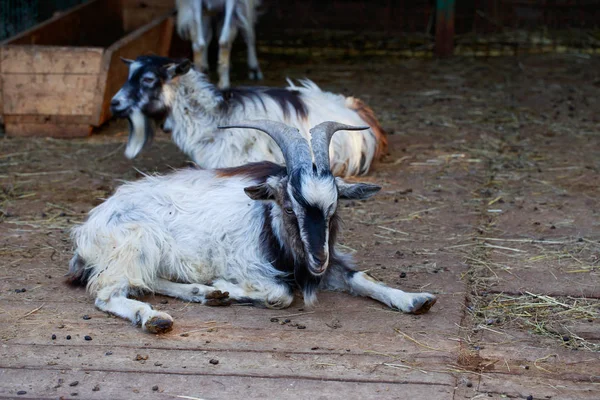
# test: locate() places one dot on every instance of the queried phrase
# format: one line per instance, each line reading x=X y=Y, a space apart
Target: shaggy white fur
x=196 y=112
x=212 y=235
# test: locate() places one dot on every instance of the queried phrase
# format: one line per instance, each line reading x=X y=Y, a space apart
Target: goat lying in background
x=182 y=99
x=196 y=236
x=194 y=24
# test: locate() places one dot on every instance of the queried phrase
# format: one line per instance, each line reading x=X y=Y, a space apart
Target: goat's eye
x=289 y=210
x=148 y=80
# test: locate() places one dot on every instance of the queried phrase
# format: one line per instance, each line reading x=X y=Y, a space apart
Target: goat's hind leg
x=201 y=37
x=344 y=278
x=194 y=292
x=114 y=300
x=254 y=72
x=228 y=34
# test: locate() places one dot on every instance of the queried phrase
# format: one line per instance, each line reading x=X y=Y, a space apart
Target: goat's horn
x=321 y=138
x=294 y=147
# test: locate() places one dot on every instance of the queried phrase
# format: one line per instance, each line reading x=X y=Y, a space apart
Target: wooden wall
x=151 y=9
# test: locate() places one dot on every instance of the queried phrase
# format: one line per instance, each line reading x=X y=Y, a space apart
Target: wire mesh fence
x=19 y=15
x=507 y=27
x=406 y=28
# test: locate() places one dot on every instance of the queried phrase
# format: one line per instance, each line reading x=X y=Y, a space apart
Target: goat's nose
x=115 y=102
x=321 y=257
x=320 y=262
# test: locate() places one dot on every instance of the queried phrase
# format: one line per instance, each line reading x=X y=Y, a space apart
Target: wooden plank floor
x=457 y=158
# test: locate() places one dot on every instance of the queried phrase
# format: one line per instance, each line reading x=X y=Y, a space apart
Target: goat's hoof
x=255 y=74
x=218 y=302
x=217 y=294
x=422 y=305
x=216 y=298
x=159 y=324
x=223 y=84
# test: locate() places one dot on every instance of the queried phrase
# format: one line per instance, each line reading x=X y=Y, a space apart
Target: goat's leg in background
x=228 y=34
x=201 y=38
x=249 y=35
x=254 y=71
x=208 y=34
x=343 y=278
x=113 y=300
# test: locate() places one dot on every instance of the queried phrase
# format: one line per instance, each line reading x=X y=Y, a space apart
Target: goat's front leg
x=194 y=292
x=228 y=34
x=114 y=301
x=267 y=294
x=343 y=278
x=254 y=71
x=202 y=37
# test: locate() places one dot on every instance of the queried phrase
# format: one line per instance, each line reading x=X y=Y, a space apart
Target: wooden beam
x=444 y=28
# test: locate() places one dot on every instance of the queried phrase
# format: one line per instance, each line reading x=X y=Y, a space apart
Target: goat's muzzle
x=120 y=106
x=117 y=110
x=318 y=263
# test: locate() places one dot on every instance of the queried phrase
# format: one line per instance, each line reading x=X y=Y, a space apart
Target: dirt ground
x=490 y=200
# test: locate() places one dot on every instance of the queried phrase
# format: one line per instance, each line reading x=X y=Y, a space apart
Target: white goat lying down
x=182 y=99
x=246 y=234
x=194 y=23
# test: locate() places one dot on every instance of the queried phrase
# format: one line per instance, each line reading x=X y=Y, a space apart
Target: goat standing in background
x=194 y=23
x=181 y=99
x=249 y=234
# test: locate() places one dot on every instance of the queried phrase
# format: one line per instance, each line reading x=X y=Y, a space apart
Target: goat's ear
x=126 y=60
x=260 y=192
x=177 y=69
x=356 y=191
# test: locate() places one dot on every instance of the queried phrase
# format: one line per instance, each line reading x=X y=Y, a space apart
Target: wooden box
x=57 y=78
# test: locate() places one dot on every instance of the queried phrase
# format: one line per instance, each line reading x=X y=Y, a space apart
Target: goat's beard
x=141 y=131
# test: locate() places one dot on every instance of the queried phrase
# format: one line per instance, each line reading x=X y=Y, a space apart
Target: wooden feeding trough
x=57 y=78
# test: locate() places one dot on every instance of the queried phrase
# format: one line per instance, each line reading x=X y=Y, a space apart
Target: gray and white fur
x=194 y=22
x=172 y=93
x=247 y=234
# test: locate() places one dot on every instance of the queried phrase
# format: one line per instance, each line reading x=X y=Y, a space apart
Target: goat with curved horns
x=196 y=236
x=182 y=99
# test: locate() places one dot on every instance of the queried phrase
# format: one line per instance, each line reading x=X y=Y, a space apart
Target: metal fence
x=407 y=27
x=19 y=15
